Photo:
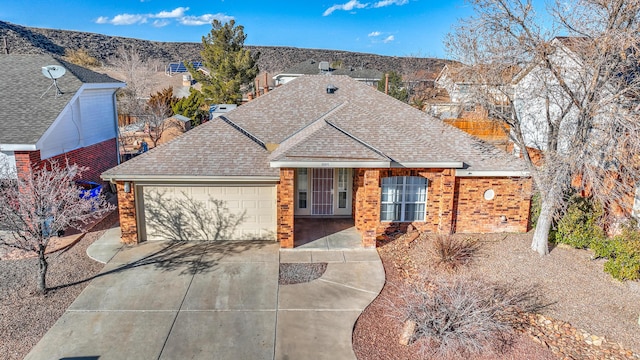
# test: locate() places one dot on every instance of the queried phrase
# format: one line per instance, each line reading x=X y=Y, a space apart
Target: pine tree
x=231 y=67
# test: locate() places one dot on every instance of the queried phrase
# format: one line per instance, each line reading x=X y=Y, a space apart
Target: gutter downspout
x=115 y=115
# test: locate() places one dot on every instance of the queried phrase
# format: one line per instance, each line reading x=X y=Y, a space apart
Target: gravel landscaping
x=298 y=273
x=25 y=316
x=590 y=316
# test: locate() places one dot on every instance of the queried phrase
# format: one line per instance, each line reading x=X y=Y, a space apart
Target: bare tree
x=137 y=72
x=156 y=119
x=573 y=98
x=37 y=206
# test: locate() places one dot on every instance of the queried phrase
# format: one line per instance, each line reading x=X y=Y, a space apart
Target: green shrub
x=623 y=254
x=579 y=226
x=534 y=210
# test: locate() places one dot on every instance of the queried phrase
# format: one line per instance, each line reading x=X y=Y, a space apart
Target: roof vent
x=331 y=89
x=323 y=66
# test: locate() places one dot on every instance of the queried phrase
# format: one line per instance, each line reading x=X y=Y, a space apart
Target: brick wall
x=285 y=208
x=97 y=158
x=127 y=213
x=508 y=211
x=453 y=204
x=366 y=199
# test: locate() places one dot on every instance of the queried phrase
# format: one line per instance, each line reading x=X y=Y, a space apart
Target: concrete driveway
x=203 y=300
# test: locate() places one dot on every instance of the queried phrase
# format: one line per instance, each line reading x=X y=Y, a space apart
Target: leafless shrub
x=463 y=317
x=81 y=57
x=452 y=252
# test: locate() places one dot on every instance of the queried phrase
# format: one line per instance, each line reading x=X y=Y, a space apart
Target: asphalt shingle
x=309 y=124
x=27 y=109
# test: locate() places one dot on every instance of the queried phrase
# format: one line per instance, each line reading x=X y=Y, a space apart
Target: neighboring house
x=321 y=146
x=535 y=88
x=538 y=94
x=133 y=135
x=78 y=125
x=312 y=67
x=453 y=103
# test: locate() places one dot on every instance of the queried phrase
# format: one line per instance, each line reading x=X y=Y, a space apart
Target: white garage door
x=208 y=213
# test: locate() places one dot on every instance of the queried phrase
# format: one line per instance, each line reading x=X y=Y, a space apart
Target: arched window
x=404 y=198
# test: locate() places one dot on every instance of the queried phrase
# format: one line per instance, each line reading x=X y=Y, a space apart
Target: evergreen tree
x=396 y=88
x=192 y=107
x=232 y=68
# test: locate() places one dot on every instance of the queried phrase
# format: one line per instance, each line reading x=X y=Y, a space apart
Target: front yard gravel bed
x=591 y=316
x=25 y=316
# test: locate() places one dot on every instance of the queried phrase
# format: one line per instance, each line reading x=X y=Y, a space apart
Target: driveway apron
x=215 y=300
x=170 y=300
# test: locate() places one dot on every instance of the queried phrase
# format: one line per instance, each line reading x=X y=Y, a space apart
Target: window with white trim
x=343 y=187
x=404 y=198
x=302 y=188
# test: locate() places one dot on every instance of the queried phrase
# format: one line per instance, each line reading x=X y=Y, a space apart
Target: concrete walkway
x=204 y=300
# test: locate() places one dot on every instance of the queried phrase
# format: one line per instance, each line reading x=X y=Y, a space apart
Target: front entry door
x=322 y=197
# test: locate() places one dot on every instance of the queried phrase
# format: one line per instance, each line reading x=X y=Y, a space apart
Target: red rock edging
x=568 y=342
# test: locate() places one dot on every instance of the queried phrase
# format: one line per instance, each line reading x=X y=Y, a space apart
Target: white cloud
x=160 y=23
x=352 y=4
x=204 y=19
x=164 y=18
x=175 y=13
x=388 y=39
x=128 y=19
x=374 y=34
x=384 y=3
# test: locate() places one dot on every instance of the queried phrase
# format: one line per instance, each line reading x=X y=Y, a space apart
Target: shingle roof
x=26 y=112
x=356 y=123
x=214 y=148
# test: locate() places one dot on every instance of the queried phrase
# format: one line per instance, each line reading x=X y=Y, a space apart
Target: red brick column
x=358 y=198
x=369 y=215
x=447 y=192
x=127 y=212
x=285 y=208
x=26 y=161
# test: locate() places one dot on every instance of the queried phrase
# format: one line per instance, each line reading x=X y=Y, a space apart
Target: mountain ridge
x=18 y=39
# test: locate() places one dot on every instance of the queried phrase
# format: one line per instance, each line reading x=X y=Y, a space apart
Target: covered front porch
x=326 y=234
x=325 y=208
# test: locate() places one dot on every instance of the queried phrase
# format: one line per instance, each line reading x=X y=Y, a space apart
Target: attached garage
x=198 y=212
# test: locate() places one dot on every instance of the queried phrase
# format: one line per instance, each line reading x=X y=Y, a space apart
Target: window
x=302 y=188
x=343 y=186
x=404 y=198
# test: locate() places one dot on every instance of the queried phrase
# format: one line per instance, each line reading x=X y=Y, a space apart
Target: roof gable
x=215 y=148
x=27 y=109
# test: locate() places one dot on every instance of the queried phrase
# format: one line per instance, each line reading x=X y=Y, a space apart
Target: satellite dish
x=53 y=72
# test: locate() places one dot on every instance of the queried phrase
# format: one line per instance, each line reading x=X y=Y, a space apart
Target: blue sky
x=386 y=27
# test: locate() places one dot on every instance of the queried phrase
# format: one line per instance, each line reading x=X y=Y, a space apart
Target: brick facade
x=508 y=211
x=97 y=158
x=127 y=213
x=453 y=204
x=285 y=208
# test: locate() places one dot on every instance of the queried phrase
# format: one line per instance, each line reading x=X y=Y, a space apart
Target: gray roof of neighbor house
x=310 y=67
x=26 y=111
x=301 y=124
